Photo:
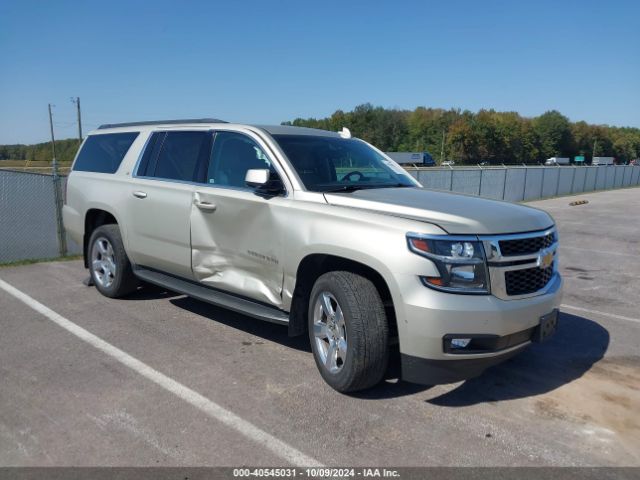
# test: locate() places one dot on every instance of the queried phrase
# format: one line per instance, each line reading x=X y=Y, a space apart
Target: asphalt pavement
x=159 y=379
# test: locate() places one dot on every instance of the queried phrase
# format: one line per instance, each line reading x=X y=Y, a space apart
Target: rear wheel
x=348 y=331
x=109 y=265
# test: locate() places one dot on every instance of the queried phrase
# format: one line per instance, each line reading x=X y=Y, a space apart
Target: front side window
x=233 y=154
x=104 y=153
x=180 y=156
x=326 y=164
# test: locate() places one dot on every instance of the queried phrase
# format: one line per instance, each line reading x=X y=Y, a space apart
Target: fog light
x=460 y=342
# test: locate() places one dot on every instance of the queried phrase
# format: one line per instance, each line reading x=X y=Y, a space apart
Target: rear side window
x=147 y=162
x=104 y=153
x=183 y=156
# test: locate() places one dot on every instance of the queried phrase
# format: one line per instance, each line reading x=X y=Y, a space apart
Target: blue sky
x=270 y=61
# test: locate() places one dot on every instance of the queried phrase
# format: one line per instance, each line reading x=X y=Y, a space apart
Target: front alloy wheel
x=348 y=331
x=330 y=332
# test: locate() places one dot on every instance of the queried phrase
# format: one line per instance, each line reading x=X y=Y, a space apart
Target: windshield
x=326 y=164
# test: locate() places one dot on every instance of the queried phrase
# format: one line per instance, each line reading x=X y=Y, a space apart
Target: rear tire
x=109 y=265
x=348 y=331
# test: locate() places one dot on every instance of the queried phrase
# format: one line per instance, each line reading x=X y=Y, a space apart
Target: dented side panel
x=238 y=246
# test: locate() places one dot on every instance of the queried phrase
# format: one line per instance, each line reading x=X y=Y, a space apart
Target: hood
x=455 y=213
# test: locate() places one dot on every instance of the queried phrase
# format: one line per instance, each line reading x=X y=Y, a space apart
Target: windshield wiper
x=344 y=188
x=353 y=188
x=396 y=185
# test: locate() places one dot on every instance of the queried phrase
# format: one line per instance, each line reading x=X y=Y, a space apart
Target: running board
x=214 y=297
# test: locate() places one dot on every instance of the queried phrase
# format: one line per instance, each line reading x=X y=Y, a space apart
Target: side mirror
x=264 y=182
x=257 y=177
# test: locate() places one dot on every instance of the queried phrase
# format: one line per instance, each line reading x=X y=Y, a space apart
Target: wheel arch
x=313 y=266
x=94 y=218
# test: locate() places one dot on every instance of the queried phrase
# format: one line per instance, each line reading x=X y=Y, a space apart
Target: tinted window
x=181 y=155
x=332 y=163
x=104 y=153
x=150 y=153
x=233 y=154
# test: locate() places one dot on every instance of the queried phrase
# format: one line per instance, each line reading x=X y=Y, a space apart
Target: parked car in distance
x=321 y=233
x=448 y=163
x=603 y=161
x=557 y=161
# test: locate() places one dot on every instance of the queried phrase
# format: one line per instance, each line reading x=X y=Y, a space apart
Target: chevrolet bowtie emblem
x=545 y=259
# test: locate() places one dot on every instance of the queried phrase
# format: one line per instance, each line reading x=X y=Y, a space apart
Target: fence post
x=480 y=184
x=584 y=183
x=544 y=169
x=573 y=179
x=504 y=185
x=558 y=182
x=57 y=198
x=524 y=186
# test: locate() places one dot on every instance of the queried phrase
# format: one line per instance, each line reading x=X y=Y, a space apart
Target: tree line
x=65 y=151
x=460 y=135
x=485 y=136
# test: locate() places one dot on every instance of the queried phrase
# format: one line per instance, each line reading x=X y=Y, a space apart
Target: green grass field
x=34 y=166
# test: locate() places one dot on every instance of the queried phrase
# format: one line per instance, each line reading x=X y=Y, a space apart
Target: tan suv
x=322 y=233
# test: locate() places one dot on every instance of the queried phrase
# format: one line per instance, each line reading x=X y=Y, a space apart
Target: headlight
x=460 y=261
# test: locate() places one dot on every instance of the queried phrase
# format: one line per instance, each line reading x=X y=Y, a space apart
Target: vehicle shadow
x=391 y=386
x=578 y=344
x=268 y=331
x=150 y=292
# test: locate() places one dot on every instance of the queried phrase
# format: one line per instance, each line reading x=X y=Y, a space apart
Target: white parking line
x=212 y=409
x=604 y=314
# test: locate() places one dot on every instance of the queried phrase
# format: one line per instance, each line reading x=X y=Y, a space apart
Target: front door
x=236 y=235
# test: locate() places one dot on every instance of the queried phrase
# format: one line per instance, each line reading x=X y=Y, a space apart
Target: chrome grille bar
x=543 y=259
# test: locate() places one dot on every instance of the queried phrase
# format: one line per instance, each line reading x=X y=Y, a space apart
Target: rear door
x=160 y=198
x=236 y=234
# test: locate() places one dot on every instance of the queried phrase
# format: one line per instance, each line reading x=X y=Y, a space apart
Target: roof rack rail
x=161 y=122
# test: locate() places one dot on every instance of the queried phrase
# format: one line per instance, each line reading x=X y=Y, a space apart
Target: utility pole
x=594 y=150
x=53 y=145
x=442 y=149
x=57 y=194
x=77 y=102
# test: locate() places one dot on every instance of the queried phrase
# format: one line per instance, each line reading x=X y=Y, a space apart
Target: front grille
x=528 y=280
x=525 y=246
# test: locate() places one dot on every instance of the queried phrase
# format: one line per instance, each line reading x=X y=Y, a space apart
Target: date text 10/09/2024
x=317 y=472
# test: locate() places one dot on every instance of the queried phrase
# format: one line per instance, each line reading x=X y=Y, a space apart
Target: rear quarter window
x=104 y=153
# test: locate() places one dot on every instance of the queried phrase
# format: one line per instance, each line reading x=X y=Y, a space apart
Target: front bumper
x=427 y=317
x=434 y=372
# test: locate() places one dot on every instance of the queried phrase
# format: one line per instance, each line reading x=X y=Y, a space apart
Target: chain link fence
x=31 y=203
x=517 y=184
x=31 y=217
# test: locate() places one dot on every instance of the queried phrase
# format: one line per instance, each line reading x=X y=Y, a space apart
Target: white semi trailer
x=603 y=161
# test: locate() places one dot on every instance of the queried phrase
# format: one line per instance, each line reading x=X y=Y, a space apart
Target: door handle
x=210 y=207
x=140 y=194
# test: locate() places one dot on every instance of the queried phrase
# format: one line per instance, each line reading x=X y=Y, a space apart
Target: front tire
x=109 y=265
x=348 y=331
